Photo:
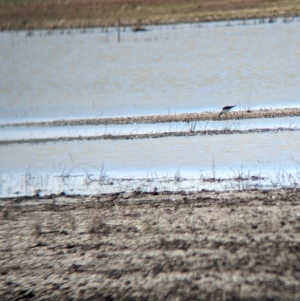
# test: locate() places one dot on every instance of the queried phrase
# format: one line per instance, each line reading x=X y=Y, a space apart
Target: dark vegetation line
x=184 y=117
x=151 y=135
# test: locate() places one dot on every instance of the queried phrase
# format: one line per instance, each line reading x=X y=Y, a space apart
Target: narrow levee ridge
x=184 y=117
x=190 y=133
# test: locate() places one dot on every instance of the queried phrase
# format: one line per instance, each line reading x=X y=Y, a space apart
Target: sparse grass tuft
x=154 y=230
x=96 y=222
x=7 y=214
x=177 y=176
x=37 y=230
x=71 y=221
x=96 y=225
x=192 y=125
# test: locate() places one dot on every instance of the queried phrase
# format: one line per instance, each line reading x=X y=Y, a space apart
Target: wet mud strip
x=241 y=245
x=150 y=135
x=185 y=117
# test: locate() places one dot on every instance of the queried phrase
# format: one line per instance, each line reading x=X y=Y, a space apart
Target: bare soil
x=22 y=14
x=242 y=245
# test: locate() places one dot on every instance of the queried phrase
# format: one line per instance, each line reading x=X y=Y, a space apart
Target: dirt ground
x=242 y=245
x=34 y=14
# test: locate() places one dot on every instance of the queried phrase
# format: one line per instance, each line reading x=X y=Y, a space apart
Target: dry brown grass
x=18 y=14
x=185 y=117
x=196 y=246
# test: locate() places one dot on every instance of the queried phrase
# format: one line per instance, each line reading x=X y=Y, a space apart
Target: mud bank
x=152 y=246
x=189 y=133
x=185 y=117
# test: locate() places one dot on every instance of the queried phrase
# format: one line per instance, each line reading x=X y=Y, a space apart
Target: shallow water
x=141 y=156
x=168 y=69
x=262 y=155
x=178 y=68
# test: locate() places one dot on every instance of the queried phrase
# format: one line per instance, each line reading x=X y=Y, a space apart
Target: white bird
x=226 y=110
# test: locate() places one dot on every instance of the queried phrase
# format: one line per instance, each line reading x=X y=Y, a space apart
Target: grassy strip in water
x=184 y=117
x=189 y=133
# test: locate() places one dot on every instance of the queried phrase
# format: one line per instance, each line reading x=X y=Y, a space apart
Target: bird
x=226 y=110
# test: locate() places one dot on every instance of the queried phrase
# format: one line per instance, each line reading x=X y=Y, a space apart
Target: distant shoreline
x=63 y=14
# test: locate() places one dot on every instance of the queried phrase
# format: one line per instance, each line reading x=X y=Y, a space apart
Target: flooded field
x=120 y=181
x=50 y=77
x=170 y=163
x=69 y=74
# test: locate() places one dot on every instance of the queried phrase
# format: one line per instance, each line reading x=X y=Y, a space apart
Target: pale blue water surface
x=167 y=69
x=65 y=166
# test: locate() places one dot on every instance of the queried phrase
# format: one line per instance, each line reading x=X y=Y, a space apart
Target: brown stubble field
x=50 y=14
x=242 y=245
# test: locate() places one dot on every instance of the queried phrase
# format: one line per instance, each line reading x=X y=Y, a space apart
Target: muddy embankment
x=191 y=120
x=241 y=245
x=185 y=117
